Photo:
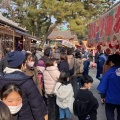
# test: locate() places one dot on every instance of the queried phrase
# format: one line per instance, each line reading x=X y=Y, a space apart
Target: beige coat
x=71 y=61
x=51 y=76
x=79 y=67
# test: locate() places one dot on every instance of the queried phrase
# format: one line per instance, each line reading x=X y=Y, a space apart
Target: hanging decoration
x=105 y=31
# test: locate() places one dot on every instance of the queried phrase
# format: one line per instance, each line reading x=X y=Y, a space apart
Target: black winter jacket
x=63 y=66
x=85 y=102
x=33 y=105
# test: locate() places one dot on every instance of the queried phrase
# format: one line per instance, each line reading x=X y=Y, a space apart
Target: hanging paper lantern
x=110 y=46
x=98 y=47
x=108 y=51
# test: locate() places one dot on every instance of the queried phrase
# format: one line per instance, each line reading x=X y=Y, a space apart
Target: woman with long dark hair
x=63 y=65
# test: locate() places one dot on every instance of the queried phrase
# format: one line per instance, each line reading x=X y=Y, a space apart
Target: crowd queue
x=54 y=84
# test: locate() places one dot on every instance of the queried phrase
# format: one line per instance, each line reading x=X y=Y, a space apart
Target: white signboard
x=67 y=44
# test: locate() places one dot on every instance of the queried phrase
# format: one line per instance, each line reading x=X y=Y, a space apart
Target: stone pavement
x=101 y=109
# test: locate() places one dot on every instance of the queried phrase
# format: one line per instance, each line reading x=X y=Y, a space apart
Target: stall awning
x=26 y=34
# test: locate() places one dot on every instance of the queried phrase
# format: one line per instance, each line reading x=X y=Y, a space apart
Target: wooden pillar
x=13 y=40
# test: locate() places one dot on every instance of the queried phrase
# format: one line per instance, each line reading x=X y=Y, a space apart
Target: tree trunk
x=48 y=33
x=36 y=27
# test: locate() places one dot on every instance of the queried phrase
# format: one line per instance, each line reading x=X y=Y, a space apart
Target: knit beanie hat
x=41 y=63
x=15 y=59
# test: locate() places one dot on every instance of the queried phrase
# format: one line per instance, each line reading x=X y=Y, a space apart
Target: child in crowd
x=40 y=67
x=11 y=95
x=65 y=96
x=85 y=104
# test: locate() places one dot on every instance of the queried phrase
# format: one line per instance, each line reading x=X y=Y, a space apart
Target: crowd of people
x=53 y=84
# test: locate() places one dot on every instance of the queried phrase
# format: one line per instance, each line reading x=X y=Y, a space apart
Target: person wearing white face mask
x=85 y=105
x=11 y=95
x=31 y=70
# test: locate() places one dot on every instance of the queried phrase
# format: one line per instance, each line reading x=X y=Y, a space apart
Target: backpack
x=82 y=108
x=40 y=78
x=79 y=67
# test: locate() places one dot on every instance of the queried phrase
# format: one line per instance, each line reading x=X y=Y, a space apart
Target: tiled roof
x=10 y=22
x=64 y=34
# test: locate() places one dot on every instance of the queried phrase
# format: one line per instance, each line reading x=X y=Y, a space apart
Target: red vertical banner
x=116 y=27
x=105 y=31
x=108 y=24
x=92 y=31
x=102 y=25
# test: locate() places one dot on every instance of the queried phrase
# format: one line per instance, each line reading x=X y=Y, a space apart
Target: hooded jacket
x=110 y=85
x=65 y=96
x=33 y=105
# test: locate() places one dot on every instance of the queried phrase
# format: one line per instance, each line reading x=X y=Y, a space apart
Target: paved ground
x=101 y=110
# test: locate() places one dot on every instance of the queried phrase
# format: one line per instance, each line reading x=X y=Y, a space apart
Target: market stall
x=13 y=36
x=6 y=38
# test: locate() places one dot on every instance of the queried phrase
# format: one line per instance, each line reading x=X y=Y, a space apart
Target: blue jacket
x=86 y=67
x=110 y=85
x=33 y=105
x=100 y=62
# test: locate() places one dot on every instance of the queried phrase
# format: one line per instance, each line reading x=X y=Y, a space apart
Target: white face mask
x=89 y=88
x=15 y=109
x=30 y=64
